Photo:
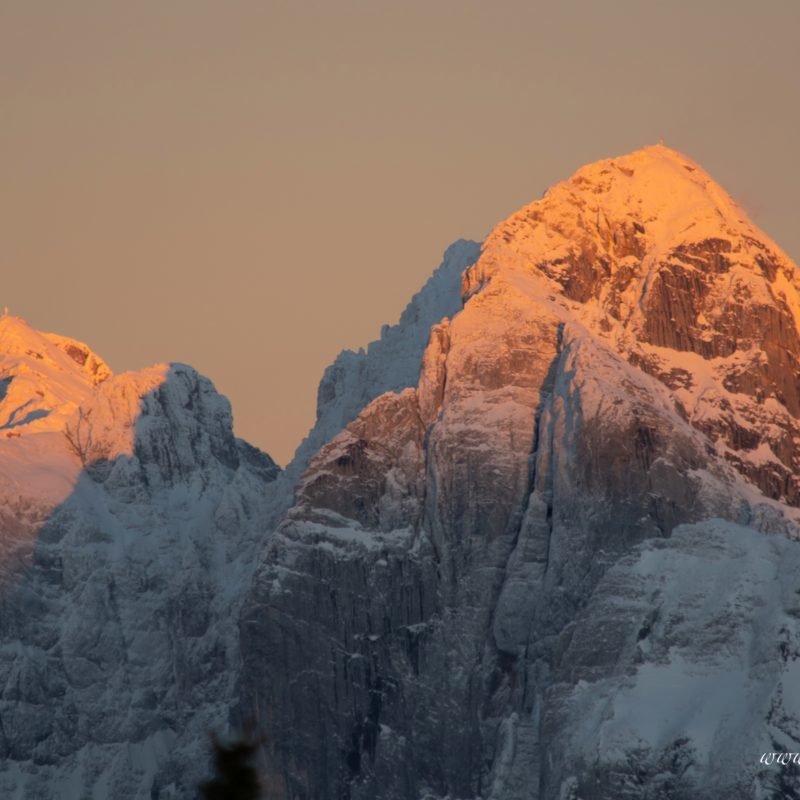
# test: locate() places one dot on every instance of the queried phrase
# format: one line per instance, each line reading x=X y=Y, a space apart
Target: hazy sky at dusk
x=250 y=187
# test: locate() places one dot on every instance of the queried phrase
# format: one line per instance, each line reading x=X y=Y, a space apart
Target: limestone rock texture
x=560 y=565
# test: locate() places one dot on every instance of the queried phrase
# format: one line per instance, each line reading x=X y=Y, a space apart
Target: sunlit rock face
x=670 y=273
x=43 y=380
x=483 y=578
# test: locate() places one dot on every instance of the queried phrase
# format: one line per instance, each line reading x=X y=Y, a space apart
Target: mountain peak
x=662 y=186
x=628 y=215
x=661 y=193
x=651 y=153
x=19 y=338
x=653 y=156
x=16 y=333
x=44 y=377
x=649 y=255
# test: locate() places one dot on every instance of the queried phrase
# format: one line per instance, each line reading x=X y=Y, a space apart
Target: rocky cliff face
x=390 y=363
x=133 y=515
x=460 y=602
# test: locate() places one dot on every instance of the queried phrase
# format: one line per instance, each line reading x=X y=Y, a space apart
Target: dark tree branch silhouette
x=236 y=777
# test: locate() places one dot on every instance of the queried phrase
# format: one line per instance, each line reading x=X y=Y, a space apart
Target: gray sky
x=250 y=187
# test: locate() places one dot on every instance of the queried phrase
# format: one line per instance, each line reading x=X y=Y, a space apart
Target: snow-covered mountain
x=541 y=543
x=559 y=566
x=130 y=520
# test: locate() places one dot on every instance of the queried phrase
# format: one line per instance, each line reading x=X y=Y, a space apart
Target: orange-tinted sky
x=252 y=186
